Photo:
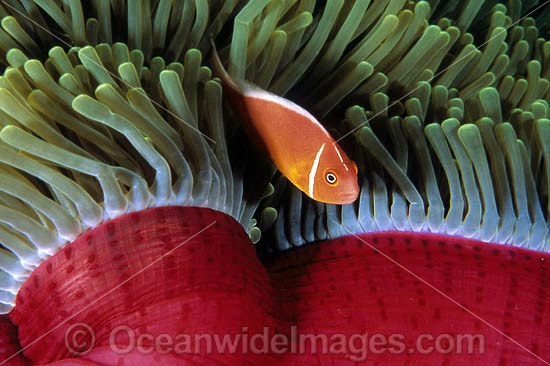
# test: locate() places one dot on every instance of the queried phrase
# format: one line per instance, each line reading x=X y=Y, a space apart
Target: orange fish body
x=299 y=146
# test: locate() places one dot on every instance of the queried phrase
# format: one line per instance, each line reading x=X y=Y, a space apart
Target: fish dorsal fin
x=221 y=72
x=252 y=91
x=248 y=89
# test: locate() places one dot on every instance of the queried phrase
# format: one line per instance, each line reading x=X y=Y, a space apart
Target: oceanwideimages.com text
x=80 y=339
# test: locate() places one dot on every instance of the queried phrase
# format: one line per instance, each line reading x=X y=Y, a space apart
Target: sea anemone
x=450 y=139
x=129 y=196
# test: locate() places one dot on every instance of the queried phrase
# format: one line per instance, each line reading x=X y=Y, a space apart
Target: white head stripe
x=338 y=152
x=340 y=156
x=313 y=170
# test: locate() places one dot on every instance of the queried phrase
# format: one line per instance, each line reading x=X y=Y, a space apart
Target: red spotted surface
x=183 y=286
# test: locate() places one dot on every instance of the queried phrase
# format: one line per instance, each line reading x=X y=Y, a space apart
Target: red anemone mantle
x=214 y=284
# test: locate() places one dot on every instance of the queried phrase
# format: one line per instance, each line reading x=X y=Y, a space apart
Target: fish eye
x=331 y=178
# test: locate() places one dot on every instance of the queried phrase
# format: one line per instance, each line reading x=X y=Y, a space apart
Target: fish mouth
x=340 y=199
x=346 y=198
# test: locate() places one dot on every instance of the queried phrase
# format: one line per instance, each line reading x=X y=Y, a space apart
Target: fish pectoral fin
x=299 y=174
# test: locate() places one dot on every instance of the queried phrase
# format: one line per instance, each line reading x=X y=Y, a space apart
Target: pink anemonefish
x=299 y=146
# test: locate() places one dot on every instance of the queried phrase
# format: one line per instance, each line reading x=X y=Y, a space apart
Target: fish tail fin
x=220 y=71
